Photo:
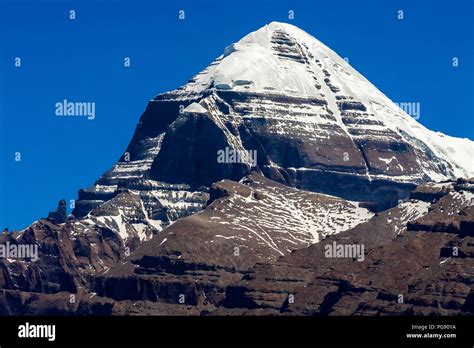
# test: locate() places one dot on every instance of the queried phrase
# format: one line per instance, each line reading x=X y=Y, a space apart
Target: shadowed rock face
x=194 y=161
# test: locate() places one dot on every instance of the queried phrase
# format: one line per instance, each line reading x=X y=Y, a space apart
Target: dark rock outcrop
x=59 y=215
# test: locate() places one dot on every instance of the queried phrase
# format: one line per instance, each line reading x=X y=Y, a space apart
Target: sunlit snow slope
x=254 y=64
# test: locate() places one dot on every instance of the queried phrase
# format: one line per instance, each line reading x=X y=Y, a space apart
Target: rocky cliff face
x=234 y=185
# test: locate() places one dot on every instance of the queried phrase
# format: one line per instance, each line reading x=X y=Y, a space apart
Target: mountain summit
x=314 y=122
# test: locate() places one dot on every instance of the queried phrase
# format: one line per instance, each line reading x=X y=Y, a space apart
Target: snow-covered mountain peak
x=310 y=119
x=281 y=59
x=276 y=58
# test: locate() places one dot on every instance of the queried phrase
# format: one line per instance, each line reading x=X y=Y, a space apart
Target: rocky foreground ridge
x=418 y=259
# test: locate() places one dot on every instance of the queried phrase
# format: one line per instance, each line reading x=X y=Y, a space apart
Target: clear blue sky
x=82 y=60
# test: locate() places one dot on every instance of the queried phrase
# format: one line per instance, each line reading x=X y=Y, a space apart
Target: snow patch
x=195 y=108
